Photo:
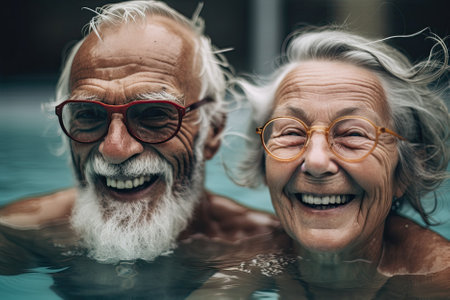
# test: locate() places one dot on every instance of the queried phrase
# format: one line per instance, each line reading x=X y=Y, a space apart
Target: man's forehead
x=149 y=33
x=155 y=49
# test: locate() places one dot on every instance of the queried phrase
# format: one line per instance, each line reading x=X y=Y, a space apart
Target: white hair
x=418 y=110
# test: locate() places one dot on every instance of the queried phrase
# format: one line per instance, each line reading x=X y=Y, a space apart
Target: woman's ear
x=214 y=139
x=400 y=190
x=401 y=183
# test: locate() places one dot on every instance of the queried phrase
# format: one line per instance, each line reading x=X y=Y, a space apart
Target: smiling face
x=134 y=60
x=318 y=92
x=132 y=191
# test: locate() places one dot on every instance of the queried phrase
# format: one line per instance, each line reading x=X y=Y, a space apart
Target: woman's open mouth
x=323 y=202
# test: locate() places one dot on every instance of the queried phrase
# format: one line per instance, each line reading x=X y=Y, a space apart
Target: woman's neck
x=355 y=266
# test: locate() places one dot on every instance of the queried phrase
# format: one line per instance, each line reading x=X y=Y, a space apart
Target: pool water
x=30 y=165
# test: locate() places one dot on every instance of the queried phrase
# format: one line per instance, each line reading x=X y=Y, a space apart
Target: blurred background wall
x=37 y=33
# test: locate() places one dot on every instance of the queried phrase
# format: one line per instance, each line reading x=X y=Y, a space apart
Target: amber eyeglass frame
x=122 y=109
x=326 y=130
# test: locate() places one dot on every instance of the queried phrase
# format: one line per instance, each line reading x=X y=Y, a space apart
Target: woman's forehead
x=315 y=86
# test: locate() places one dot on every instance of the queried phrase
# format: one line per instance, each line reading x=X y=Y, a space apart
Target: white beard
x=130 y=231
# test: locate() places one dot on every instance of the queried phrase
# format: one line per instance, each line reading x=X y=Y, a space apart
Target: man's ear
x=214 y=138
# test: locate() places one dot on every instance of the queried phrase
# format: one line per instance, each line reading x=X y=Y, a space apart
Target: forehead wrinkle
x=133 y=87
x=117 y=72
x=317 y=84
x=309 y=82
x=293 y=110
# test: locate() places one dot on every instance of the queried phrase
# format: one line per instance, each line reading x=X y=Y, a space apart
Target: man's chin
x=112 y=230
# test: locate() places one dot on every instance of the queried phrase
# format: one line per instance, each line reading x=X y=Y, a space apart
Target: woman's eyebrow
x=292 y=111
x=358 y=111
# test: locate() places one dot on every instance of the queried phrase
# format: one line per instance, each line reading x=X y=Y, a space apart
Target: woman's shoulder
x=416 y=259
x=410 y=249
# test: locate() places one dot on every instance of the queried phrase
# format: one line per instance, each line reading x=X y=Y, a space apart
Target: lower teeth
x=323 y=206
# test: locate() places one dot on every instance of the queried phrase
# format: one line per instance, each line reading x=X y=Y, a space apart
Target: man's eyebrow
x=84 y=96
x=143 y=96
x=164 y=96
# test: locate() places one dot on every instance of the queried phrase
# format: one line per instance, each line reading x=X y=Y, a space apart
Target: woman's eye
x=355 y=133
x=289 y=133
x=293 y=132
x=352 y=133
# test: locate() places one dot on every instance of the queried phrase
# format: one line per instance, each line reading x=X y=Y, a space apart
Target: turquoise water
x=29 y=166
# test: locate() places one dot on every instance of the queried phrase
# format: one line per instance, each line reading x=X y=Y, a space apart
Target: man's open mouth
x=129 y=185
x=324 y=201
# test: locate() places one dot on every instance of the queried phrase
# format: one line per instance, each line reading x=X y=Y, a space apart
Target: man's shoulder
x=229 y=220
x=411 y=249
x=35 y=212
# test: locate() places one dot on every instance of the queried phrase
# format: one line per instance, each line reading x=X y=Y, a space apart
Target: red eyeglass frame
x=122 y=109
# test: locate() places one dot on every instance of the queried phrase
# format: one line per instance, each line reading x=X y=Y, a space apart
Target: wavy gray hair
x=418 y=109
x=213 y=71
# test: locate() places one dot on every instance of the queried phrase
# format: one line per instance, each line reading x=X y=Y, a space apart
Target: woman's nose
x=119 y=145
x=318 y=160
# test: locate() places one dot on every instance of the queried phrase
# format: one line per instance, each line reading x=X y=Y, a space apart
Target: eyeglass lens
x=150 y=122
x=285 y=138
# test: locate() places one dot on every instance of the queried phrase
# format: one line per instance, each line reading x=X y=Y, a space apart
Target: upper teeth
x=126 y=184
x=325 y=200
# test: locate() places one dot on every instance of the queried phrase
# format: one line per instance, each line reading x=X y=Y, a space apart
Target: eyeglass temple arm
x=199 y=103
x=385 y=130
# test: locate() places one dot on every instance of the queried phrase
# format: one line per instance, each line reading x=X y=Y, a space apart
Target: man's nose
x=119 y=145
x=318 y=156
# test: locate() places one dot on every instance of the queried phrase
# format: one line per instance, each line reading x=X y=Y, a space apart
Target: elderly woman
x=348 y=127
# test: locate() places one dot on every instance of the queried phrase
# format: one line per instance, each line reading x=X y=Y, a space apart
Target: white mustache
x=136 y=167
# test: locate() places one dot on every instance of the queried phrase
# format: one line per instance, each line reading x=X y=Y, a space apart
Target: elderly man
x=141 y=100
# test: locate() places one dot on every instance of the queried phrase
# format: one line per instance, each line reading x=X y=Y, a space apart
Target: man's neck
x=220 y=218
